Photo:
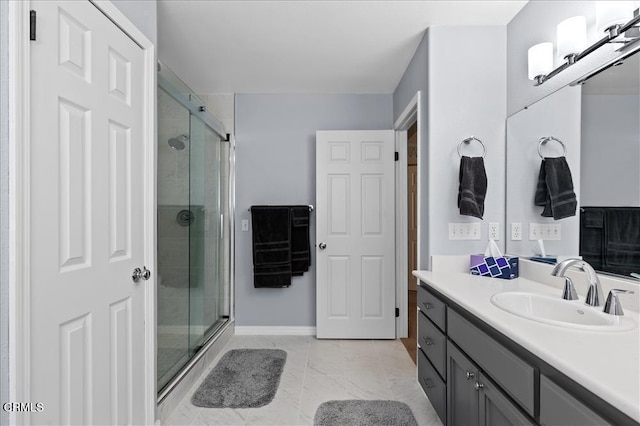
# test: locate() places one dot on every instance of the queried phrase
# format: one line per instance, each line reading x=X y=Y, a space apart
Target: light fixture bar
x=612 y=33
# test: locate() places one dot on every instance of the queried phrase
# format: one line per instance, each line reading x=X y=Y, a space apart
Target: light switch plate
x=245 y=225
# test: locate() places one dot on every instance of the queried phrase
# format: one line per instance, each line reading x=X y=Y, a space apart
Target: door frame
x=411 y=114
x=20 y=193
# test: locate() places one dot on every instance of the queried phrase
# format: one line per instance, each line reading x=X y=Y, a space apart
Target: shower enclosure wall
x=194 y=232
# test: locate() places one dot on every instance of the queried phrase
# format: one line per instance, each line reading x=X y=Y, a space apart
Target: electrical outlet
x=516 y=231
x=494 y=231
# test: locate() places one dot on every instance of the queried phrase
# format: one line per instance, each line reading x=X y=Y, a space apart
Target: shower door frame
x=211 y=121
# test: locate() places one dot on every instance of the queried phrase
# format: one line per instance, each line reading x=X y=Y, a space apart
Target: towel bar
x=469 y=140
x=546 y=139
x=310 y=208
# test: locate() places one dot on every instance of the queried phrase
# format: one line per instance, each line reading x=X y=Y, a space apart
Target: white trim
x=259 y=330
x=19 y=200
x=410 y=115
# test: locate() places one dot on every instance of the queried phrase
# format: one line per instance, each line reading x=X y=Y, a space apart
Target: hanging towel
x=300 y=247
x=555 y=189
x=473 y=186
x=271 y=237
x=622 y=240
x=592 y=236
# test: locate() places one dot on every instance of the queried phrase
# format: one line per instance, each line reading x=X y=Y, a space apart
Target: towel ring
x=546 y=139
x=469 y=140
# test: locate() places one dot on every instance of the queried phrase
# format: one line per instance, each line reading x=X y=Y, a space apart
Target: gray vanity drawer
x=433 y=386
x=432 y=307
x=433 y=344
x=557 y=407
x=514 y=375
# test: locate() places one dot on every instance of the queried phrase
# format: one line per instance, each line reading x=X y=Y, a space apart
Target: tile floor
x=318 y=371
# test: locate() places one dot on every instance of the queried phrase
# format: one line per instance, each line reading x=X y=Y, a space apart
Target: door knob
x=138 y=273
x=322 y=246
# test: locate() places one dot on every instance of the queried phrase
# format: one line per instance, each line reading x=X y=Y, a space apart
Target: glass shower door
x=206 y=269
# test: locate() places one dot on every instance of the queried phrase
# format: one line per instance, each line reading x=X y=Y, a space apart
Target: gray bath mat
x=243 y=378
x=355 y=412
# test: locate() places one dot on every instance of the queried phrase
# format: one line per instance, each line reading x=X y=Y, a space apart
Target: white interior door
x=86 y=320
x=355 y=231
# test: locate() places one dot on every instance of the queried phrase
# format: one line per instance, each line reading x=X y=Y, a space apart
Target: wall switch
x=464 y=231
x=545 y=231
x=245 y=225
x=516 y=231
x=494 y=231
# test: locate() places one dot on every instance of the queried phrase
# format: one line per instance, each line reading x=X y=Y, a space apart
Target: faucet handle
x=569 y=292
x=612 y=305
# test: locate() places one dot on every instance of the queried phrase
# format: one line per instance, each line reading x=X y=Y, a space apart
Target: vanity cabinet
x=473 y=399
x=558 y=407
x=473 y=375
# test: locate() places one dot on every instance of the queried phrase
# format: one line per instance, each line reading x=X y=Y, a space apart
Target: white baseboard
x=260 y=330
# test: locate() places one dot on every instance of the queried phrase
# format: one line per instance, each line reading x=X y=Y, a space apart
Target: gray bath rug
x=243 y=378
x=355 y=412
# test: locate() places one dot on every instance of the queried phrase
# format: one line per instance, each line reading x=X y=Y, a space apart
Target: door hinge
x=397 y=312
x=397 y=156
x=32 y=25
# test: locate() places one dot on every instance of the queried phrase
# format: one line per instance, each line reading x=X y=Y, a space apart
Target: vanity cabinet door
x=462 y=397
x=433 y=343
x=557 y=407
x=496 y=409
x=433 y=386
x=434 y=308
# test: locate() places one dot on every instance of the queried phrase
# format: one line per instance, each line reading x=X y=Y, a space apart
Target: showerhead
x=179 y=142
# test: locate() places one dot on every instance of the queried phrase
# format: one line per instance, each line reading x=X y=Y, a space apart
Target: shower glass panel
x=193 y=227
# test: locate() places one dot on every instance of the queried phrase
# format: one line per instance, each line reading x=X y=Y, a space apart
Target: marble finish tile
x=317 y=371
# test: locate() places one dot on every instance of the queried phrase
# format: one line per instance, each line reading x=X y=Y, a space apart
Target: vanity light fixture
x=612 y=13
x=540 y=58
x=572 y=38
x=568 y=42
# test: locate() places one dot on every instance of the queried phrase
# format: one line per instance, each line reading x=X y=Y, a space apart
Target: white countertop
x=606 y=363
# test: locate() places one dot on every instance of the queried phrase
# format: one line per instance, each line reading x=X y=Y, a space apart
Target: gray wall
x=464 y=95
x=610 y=150
x=142 y=13
x=4 y=220
x=415 y=78
x=537 y=22
x=467 y=97
x=275 y=164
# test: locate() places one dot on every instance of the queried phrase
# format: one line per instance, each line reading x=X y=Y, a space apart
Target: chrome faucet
x=594 y=295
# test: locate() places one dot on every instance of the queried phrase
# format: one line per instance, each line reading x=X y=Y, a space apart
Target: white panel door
x=355 y=232
x=86 y=317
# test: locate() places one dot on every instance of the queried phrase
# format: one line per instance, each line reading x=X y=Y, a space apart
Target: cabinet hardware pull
x=427 y=305
x=470 y=375
x=427 y=341
x=478 y=386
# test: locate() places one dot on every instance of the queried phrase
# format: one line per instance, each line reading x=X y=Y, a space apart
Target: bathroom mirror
x=598 y=122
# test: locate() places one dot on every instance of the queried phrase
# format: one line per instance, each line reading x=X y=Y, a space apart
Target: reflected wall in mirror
x=599 y=122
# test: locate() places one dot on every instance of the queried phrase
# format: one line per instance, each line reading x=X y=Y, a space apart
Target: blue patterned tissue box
x=505 y=267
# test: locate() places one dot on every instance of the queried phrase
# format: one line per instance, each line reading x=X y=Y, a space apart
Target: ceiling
x=295 y=46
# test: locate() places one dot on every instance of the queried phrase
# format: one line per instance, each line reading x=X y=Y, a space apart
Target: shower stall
x=194 y=238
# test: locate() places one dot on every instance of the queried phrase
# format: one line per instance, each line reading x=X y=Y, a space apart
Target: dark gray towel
x=592 y=236
x=622 y=240
x=473 y=186
x=555 y=189
x=300 y=246
x=271 y=238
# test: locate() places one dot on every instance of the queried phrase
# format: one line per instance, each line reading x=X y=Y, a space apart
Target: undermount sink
x=556 y=311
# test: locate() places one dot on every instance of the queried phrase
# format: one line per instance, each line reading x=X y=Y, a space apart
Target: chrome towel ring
x=546 y=139
x=468 y=141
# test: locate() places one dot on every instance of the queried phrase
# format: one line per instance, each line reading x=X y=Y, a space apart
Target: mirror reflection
x=599 y=124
